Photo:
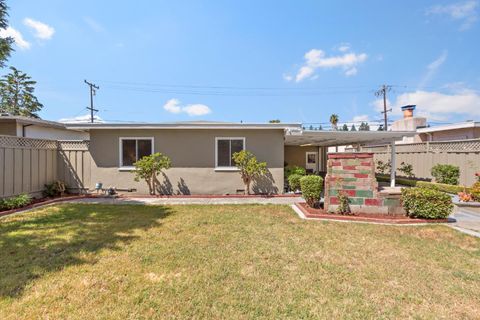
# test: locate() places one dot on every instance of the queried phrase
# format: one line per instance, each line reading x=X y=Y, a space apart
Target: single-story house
x=26 y=127
x=201 y=152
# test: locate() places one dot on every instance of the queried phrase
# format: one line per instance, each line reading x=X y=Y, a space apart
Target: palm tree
x=334 y=121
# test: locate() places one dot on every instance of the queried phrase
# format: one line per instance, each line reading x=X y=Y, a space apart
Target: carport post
x=393 y=157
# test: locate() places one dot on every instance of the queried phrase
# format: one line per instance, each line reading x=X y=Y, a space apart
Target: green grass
x=232 y=262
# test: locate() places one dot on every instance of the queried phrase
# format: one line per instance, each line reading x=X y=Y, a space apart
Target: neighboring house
x=454 y=131
x=201 y=153
x=37 y=128
x=445 y=132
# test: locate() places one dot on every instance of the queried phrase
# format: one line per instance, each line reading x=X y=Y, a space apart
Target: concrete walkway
x=468 y=221
x=163 y=201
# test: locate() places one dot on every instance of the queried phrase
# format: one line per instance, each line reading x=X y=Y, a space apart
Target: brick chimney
x=408 y=111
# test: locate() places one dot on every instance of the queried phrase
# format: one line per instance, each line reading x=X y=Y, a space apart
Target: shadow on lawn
x=33 y=246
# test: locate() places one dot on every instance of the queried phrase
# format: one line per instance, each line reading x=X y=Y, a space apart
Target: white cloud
x=42 y=31
x=196 y=109
x=344 y=48
x=437 y=105
x=432 y=68
x=16 y=36
x=317 y=59
x=82 y=119
x=175 y=106
x=465 y=12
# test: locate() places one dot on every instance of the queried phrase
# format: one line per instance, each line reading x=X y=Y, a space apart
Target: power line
x=93 y=89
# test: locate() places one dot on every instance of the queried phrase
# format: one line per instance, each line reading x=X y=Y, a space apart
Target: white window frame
x=120 y=150
x=230 y=168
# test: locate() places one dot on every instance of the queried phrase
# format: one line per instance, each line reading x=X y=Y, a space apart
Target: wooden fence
x=27 y=164
x=423 y=156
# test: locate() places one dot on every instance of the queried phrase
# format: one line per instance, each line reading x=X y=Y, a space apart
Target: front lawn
x=129 y=262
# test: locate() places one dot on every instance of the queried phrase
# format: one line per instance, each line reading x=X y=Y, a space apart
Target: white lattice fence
x=29 y=143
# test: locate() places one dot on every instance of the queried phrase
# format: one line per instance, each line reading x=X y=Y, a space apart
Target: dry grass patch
x=130 y=262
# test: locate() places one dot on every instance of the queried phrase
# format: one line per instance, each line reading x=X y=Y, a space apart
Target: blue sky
x=297 y=61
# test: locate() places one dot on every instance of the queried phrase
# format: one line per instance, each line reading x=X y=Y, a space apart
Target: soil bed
x=320 y=213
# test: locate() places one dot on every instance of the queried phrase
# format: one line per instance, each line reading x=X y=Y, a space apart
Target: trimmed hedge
x=289 y=170
x=312 y=187
x=447 y=188
x=294 y=181
x=402 y=181
x=426 y=203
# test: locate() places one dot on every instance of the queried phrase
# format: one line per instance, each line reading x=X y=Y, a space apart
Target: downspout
x=23 y=129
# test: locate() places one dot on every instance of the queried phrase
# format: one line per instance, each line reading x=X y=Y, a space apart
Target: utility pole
x=383 y=92
x=93 y=87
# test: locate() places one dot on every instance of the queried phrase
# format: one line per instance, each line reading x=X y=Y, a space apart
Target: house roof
x=181 y=125
x=452 y=126
x=342 y=138
x=32 y=121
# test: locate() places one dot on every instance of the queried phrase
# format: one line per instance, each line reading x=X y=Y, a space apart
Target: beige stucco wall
x=296 y=155
x=193 y=160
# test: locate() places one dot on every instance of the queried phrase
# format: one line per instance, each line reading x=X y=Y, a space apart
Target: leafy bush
x=343 y=205
x=54 y=189
x=446 y=173
x=384 y=167
x=400 y=181
x=311 y=187
x=426 y=203
x=406 y=169
x=149 y=167
x=294 y=181
x=289 y=170
x=250 y=168
x=15 y=202
x=475 y=191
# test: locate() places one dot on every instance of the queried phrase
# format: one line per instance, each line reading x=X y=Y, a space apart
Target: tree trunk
x=247 y=186
x=153 y=184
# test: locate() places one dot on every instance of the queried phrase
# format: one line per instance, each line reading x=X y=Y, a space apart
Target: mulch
x=319 y=213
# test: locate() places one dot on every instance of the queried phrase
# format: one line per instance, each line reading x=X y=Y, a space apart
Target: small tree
x=353 y=128
x=149 y=167
x=16 y=97
x=249 y=167
x=344 y=127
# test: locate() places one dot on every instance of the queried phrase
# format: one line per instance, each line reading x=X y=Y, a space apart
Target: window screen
x=134 y=149
x=225 y=150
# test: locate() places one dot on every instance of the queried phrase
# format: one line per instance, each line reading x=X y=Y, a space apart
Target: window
x=133 y=149
x=224 y=150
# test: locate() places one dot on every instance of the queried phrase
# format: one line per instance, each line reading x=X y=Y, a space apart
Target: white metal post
x=393 y=157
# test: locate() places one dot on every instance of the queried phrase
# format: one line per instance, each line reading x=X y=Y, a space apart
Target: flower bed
x=310 y=212
x=43 y=201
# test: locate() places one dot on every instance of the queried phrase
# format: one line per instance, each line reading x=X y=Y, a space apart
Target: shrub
x=289 y=170
x=475 y=191
x=426 y=203
x=447 y=188
x=343 y=205
x=15 y=202
x=54 y=189
x=384 y=167
x=294 y=181
x=250 y=168
x=446 y=173
x=312 y=187
x=149 y=167
x=406 y=169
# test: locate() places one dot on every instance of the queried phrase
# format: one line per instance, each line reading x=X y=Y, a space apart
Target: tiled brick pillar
x=354 y=174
